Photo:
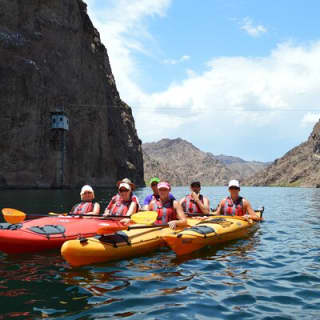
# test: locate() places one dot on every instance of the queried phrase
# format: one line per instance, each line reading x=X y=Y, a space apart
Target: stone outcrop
x=298 y=167
x=180 y=162
x=51 y=58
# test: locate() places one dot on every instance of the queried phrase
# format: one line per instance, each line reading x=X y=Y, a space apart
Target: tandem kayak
x=51 y=232
x=136 y=241
x=209 y=232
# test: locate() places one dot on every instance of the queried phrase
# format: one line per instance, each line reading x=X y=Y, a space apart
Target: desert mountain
x=298 y=167
x=180 y=162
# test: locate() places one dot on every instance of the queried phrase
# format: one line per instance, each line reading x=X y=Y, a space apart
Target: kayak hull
x=222 y=229
x=94 y=250
x=129 y=243
x=25 y=240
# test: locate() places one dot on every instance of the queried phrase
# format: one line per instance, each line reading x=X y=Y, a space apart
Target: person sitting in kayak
x=169 y=211
x=235 y=205
x=195 y=203
x=87 y=206
x=125 y=203
x=155 y=195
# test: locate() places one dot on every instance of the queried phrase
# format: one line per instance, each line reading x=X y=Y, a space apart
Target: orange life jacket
x=191 y=206
x=231 y=208
x=166 y=211
x=120 y=207
x=82 y=208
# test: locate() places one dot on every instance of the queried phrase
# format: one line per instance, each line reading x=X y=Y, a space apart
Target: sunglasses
x=154 y=184
x=234 y=188
x=123 y=190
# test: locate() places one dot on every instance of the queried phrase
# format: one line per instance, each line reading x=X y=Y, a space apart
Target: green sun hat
x=154 y=179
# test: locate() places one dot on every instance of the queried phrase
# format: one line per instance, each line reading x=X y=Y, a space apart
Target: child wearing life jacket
x=87 y=206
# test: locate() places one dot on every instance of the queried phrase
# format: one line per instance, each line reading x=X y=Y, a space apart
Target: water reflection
x=271 y=274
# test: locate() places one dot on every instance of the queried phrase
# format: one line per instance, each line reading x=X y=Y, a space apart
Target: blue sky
x=229 y=76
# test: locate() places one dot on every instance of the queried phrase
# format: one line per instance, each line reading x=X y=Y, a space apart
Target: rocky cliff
x=52 y=59
x=180 y=162
x=298 y=167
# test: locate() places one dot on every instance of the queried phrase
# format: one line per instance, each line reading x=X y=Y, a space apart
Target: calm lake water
x=274 y=274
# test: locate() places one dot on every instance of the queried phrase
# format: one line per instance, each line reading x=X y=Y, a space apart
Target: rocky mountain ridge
x=180 y=162
x=298 y=167
x=52 y=59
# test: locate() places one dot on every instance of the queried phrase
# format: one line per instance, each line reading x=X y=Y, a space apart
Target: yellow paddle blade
x=144 y=217
x=57 y=214
x=13 y=216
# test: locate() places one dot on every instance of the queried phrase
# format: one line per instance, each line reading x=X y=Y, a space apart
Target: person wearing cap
x=125 y=203
x=169 y=211
x=195 y=203
x=235 y=205
x=87 y=206
x=155 y=195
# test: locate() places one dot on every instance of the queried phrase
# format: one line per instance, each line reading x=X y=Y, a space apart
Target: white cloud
x=254 y=31
x=310 y=118
x=247 y=94
x=176 y=61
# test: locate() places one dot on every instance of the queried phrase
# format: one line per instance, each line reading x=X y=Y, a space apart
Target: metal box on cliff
x=59 y=120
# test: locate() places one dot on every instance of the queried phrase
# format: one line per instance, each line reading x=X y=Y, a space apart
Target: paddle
x=141 y=217
x=13 y=216
x=259 y=211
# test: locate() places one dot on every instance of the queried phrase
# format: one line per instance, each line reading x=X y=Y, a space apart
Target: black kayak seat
x=214 y=220
x=10 y=226
x=203 y=230
x=115 y=239
x=48 y=230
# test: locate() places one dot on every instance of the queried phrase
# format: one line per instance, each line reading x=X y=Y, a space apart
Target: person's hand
x=125 y=220
x=172 y=225
x=194 y=196
x=246 y=217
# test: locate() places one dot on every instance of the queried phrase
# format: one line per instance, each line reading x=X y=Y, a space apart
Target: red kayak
x=51 y=232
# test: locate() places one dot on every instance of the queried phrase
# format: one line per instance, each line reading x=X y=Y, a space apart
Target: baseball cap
x=154 y=179
x=234 y=183
x=164 y=185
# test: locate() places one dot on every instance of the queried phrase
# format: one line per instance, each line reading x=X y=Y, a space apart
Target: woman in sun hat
x=155 y=195
x=125 y=203
x=169 y=211
x=87 y=205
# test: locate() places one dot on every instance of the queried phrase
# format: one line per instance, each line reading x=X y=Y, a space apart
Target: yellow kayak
x=120 y=245
x=211 y=231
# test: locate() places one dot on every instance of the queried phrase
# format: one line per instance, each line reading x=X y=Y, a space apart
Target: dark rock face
x=298 y=167
x=180 y=163
x=51 y=58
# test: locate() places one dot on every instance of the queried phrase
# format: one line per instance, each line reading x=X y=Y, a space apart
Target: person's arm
x=248 y=209
x=96 y=209
x=146 y=202
x=182 y=219
x=182 y=201
x=218 y=210
x=108 y=208
x=204 y=207
x=132 y=208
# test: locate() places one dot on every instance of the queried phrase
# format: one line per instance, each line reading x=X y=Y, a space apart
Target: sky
x=234 y=77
